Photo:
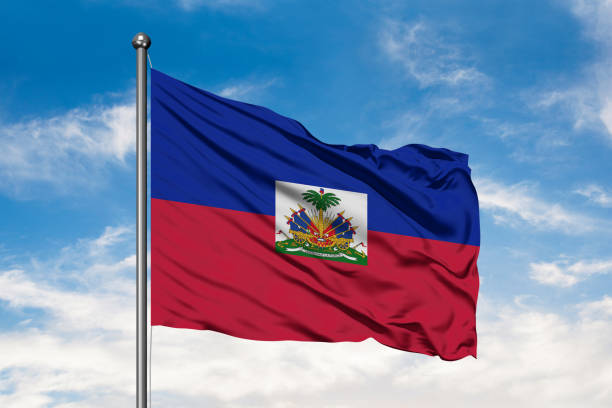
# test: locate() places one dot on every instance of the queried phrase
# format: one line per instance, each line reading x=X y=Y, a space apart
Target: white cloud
x=551 y=274
x=431 y=60
x=77 y=337
x=455 y=86
x=527 y=358
x=519 y=203
x=581 y=104
x=596 y=194
x=71 y=310
x=246 y=90
x=406 y=129
x=82 y=352
x=411 y=126
x=606 y=115
x=587 y=102
x=110 y=237
x=565 y=274
x=595 y=310
x=65 y=150
x=597 y=18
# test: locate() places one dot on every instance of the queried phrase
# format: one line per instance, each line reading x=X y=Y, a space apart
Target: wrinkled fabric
x=214 y=163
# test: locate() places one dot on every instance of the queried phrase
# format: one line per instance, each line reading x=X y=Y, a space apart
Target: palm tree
x=321 y=200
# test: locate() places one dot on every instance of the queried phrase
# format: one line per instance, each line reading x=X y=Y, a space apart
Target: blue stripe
x=213 y=151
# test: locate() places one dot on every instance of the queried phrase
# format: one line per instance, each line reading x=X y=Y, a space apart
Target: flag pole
x=141 y=43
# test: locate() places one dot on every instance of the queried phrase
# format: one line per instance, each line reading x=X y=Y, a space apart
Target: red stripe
x=217 y=269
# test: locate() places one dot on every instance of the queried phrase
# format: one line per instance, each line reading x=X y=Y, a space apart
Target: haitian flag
x=261 y=231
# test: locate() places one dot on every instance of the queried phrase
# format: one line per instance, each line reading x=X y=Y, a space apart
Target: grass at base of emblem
x=313 y=252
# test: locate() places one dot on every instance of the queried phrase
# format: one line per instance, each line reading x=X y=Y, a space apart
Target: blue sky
x=522 y=87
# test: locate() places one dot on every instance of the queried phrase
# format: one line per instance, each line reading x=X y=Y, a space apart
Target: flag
x=261 y=231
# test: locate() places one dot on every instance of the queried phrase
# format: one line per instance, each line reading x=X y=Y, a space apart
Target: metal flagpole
x=141 y=42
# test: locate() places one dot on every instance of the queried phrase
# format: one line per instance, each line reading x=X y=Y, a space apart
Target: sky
x=523 y=87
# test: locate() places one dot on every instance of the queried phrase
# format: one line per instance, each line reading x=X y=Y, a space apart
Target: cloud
x=595 y=310
x=581 y=104
x=78 y=328
x=246 y=90
x=518 y=203
x=412 y=126
x=65 y=150
x=70 y=310
x=527 y=358
x=596 y=194
x=451 y=85
x=597 y=18
x=110 y=237
x=427 y=57
x=588 y=102
x=406 y=129
x=565 y=274
x=81 y=351
x=551 y=274
x=83 y=288
x=606 y=115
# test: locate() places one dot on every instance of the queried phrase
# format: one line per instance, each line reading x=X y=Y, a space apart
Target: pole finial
x=141 y=40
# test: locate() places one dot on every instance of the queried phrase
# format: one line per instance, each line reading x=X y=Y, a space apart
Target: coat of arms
x=319 y=223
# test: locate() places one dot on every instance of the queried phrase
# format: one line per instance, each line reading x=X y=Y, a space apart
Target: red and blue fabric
x=261 y=231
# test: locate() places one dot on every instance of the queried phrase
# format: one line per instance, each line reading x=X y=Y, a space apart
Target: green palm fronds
x=321 y=201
